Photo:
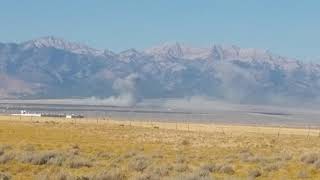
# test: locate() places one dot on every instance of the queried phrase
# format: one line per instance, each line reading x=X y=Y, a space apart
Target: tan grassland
x=105 y=149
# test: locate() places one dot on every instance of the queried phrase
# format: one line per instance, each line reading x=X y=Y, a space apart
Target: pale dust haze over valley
x=159 y=90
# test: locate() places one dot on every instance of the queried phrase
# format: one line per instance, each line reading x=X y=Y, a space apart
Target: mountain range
x=51 y=67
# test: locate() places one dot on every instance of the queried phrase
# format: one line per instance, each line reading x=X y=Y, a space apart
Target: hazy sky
x=287 y=27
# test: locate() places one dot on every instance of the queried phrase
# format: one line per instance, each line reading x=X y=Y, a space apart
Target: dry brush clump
x=6 y=157
x=274 y=166
x=208 y=167
x=249 y=157
x=4 y=176
x=317 y=164
x=310 y=158
x=181 y=167
x=303 y=175
x=105 y=155
x=57 y=160
x=111 y=174
x=79 y=162
x=37 y=158
x=197 y=175
x=226 y=169
x=161 y=170
x=185 y=142
x=4 y=147
x=130 y=154
x=254 y=174
x=28 y=147
x=146 y=176
x=139 y=163
x=60 y=175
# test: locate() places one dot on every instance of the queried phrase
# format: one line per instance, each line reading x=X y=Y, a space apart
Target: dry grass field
x=87 y=149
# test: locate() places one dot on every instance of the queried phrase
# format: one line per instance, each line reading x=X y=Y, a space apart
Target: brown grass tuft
x=37 y=158
x=112 y=174
x=139 y=163
x=254 y=174
x=309 y=158
x=226 y=169
x=60 y=175
x=6 y=158
x=181 y=167
x=4 y=176
x=79 y=162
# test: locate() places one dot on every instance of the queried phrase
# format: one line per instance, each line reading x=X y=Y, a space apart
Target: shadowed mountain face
x=53 y=68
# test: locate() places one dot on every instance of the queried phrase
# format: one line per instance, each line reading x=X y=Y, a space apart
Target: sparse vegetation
x=275 y=166
x=4 y=158
x=60 y=175
x=4 y=176
x=37 y=158
x=112 y=174
x=309 y=158
x=254 y=174
x=79 y=162
x=303 y=175
x=139 y=163
x=227 y=169
x=108 y=151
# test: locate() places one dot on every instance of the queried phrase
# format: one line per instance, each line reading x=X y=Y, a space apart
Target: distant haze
x=51 y=67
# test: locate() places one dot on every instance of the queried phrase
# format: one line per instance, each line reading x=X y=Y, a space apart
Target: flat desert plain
x=106 y=149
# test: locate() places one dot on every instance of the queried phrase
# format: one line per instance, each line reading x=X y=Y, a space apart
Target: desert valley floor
x=49 y=148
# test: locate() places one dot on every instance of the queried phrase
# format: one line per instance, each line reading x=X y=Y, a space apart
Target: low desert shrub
x=28 y=147
x=317 y=164
x=162 y=170
x=139 y=163
x=181 y=167
x=4 y=176
x=130 y=154
x=193 y=176
x=272 y=167
x=37 y=158
x=60 y=175
x=309 y=158
x=146 y=176
x=4 y=147
x=57 y=160
x=254 y=174
x=180 y=159
x=6 y=158
x=185 y=142
x=73 y=152
x=226 y=169
x=112 y=174
x=286 y=156
x=105 y=155
x=202 y=173
x=208 y=167
x=79 y=162
x=303 y=175
x=157 y=155
x=249 y=157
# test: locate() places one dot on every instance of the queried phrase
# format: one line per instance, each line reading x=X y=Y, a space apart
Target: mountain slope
x=54 y=68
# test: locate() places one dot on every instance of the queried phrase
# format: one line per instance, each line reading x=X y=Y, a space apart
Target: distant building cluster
x=68 y=116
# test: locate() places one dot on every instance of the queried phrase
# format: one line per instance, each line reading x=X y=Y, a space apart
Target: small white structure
x=25 y=113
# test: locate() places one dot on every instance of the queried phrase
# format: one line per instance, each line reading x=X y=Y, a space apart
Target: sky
x=287 y=27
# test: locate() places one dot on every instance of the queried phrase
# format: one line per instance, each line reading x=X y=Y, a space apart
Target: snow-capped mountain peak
x=177 y=50
x=59 y=43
